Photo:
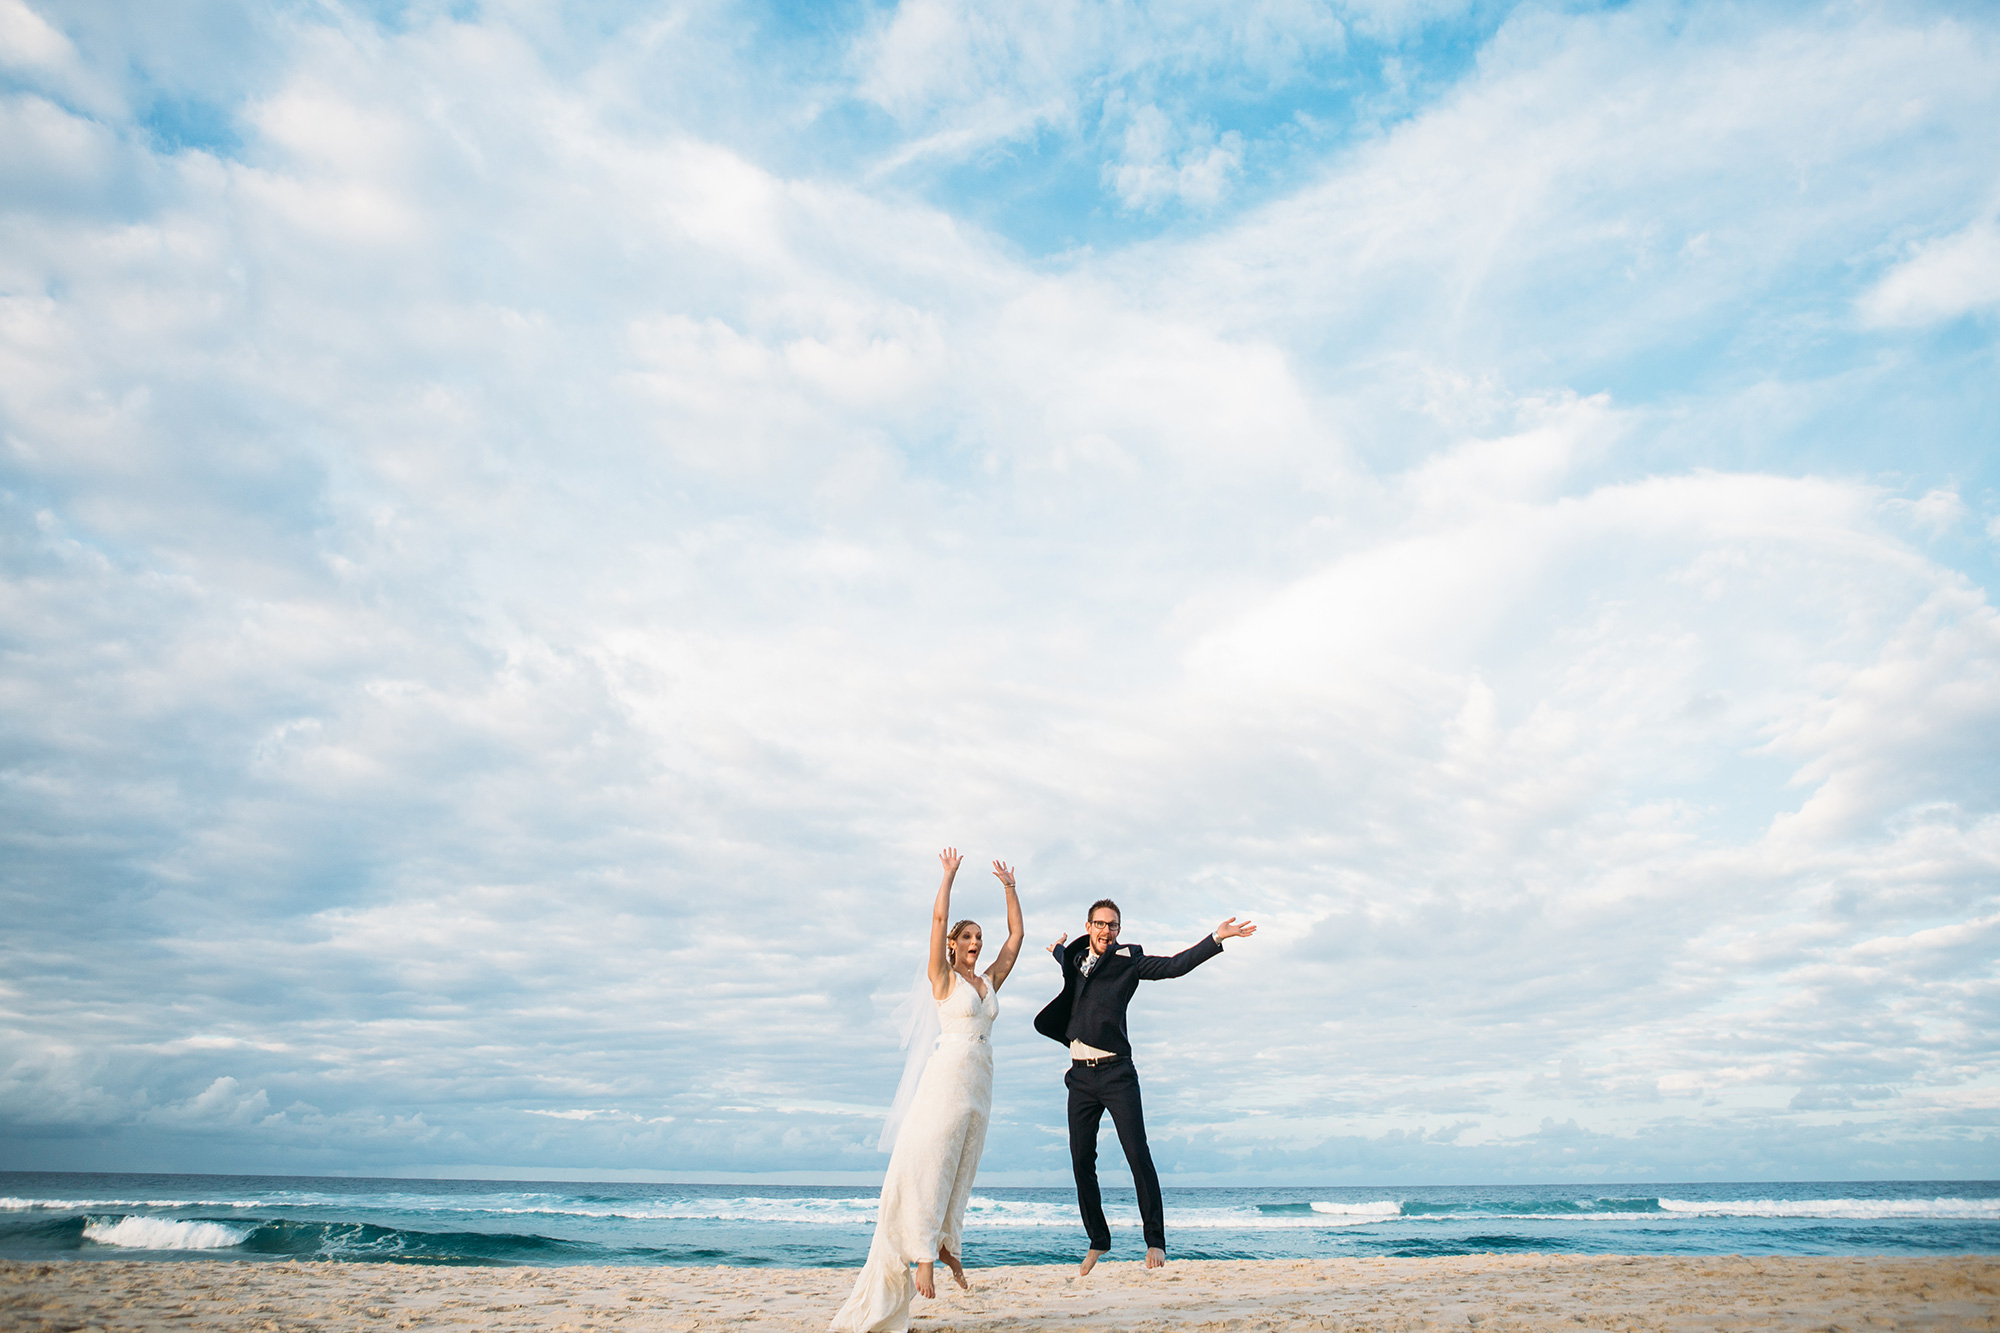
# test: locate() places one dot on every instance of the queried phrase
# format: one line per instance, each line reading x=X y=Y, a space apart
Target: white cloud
x=1161 y=162
x=1935 y=511
x=27 y=40
x=967 y=79
x=1944 y=279
x=933 y=50
x=222 y=1104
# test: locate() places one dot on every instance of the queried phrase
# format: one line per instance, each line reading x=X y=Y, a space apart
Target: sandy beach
x=1517 y=1292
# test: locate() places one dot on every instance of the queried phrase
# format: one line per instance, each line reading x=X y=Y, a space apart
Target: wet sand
x=1511 y=1292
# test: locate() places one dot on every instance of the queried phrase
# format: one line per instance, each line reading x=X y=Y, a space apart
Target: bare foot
x=926 y=1284
x=1156 y=1258
x=1090 y=1258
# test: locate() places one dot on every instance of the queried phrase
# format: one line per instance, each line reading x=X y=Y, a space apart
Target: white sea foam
x=163 y=1233
x=980 y=1212
x=1361 y=1212
x=1979 y=1210
x=984 y=1212
x=797 y=1211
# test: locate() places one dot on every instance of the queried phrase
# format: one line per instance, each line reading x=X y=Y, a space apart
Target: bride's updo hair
x=951 y=954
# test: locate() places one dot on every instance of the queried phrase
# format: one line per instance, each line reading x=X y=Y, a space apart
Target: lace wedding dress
x=931 y=1168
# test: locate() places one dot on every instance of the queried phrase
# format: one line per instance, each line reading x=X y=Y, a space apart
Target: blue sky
x=525 y=526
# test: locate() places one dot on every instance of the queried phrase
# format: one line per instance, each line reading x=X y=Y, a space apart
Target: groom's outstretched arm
x=1182 y=963
x=1188 y=959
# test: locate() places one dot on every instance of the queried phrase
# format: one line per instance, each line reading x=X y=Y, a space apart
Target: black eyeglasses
x=1104 y=925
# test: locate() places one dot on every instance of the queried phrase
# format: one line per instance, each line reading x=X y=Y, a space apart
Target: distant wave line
x=1844 y=1209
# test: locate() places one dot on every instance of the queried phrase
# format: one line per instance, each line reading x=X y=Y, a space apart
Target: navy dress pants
x=1112 y=1087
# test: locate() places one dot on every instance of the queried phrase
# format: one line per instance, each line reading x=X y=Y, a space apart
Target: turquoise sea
x=65 y=1215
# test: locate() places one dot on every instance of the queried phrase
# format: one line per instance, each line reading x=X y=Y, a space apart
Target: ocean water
x=65 y=1215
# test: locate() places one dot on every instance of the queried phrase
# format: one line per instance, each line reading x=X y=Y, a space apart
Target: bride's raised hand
x=949 y=859
x=1004 y=873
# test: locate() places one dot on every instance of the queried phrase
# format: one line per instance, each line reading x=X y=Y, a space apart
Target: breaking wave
x=164 y=1233
x=352 y=1241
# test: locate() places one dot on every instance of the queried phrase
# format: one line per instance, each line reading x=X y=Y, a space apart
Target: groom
x=1099 y=977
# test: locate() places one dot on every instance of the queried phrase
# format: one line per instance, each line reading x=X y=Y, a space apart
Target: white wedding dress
x=931 y=1168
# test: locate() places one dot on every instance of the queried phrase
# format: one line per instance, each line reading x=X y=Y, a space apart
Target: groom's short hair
x=1104 y=902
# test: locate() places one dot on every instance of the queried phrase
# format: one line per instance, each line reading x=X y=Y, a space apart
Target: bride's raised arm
x=1004 y=964
x=940 y=965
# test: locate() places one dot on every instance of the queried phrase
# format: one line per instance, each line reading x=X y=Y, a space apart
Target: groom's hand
x=1061 y=940
x=1230 y=930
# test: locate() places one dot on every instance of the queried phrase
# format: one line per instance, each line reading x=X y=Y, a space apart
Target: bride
x=939 y=1138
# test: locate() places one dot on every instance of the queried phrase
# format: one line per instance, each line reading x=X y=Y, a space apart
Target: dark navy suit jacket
x=1092 y=1009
